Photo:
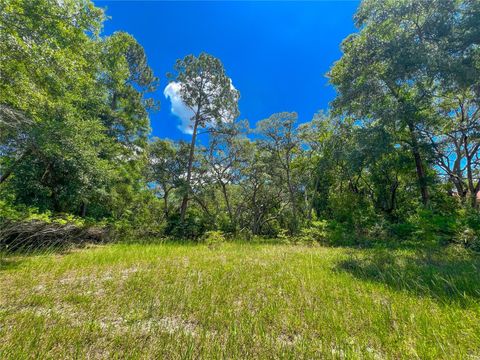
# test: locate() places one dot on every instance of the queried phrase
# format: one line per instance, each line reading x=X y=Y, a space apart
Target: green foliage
x=469 y=238
x=245 y=234
x=468 y=229
x=394 y=75
x=316 y=233
x=395 y=160
x=192 y=227
x=139 y=218
x=73 y=117
x=284 y=237
x=9 y=213
x=208 y=92
x=403 y=230
x=206 y=88
x=213 y=238
x=431 y=226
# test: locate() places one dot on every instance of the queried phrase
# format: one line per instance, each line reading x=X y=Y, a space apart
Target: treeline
x=74 y=119
x=397 y=155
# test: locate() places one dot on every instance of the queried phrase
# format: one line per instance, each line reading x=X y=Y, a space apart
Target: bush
x=469 y=238
x=341 y=234
x=244 y=234
x=402 y=231
x=213 y=239
x=283 y=237
x=431 y=226
x=470 y=218
x=317 y=233
x=378 y=231
x=468 y=229
x=193 y=227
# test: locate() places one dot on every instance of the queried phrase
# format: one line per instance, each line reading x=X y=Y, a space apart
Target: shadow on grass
x=9 y=263
x=446 y=275
x=12 y=258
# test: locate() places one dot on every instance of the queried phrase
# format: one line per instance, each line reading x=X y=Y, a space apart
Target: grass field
x=240 y=301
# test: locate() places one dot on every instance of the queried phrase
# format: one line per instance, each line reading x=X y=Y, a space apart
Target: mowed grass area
x=240 y=301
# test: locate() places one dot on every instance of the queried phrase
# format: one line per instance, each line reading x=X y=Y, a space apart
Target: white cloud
x=183 y=112
x=178 y=108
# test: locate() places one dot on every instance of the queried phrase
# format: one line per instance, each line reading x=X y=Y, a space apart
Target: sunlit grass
x=240 y=301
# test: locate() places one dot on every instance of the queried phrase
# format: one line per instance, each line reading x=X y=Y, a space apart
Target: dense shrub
x=468 y=229
x=193 y=227
x=468 y=238
x=244 y=234
x=213 y=238
x=433 y=226
x=316 y=233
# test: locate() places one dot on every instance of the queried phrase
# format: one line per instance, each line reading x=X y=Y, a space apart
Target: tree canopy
x=396 y=155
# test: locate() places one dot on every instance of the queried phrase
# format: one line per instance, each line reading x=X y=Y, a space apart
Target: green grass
x=240 y=301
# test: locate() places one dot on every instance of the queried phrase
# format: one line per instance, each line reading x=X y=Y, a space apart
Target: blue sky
x=277 y=53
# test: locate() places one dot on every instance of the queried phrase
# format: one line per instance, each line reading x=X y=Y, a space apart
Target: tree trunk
x=294 y=222
x=422 y=178
x=183 y=209
x=257 y=214
x=6 y=175
x=473 y=189
x=83 y=209
x=474 y=200
x=313 y=197
x=227 y=201
x=393 y=197
x=165 y=202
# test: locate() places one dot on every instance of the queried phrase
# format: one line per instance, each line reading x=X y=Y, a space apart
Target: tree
x=46 y=66
x=73 y=118
x=263 y=200
x=279 y=139
x=223 y=156
x=208 y=92
x=403 y=57
x=315 y=137
x=126 y=77
x=455 y=141
x=375 y=77
x=167 y=161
